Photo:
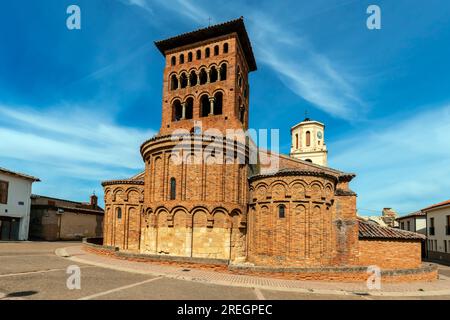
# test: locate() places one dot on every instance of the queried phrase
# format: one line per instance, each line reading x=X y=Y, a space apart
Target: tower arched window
x=204 y=106
x=183 y=80
x=173 y=188
x=189 y=108
x=199 y=54
x=308 y=138
x=242 y=114
x=240 y=81
x=225 y=48
x=173 y=82
x=173 y=61
x=177 y=110
x=218 y=103
x=223 y=71
x=296 y=141
x=193 y=78
x=190 y=57
x=181 y=58
x=119 y=213
x=213 y=74
x=203 y=76
x=216 y=50
x=207 y=53
x=281 y=211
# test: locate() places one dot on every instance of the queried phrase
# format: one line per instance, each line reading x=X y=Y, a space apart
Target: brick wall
x=395 y=254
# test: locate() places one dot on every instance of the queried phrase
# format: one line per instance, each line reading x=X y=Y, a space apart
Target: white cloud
x=404 y=165
x=73 y=142
x=307 y=73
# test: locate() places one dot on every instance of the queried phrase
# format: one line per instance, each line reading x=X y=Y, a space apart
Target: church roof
x=136 y=179
x=372 y=230
x=212 y=32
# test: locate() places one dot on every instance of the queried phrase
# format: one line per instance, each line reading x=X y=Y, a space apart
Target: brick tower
x=206 y=78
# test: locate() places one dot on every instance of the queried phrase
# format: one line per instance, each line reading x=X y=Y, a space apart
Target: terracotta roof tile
x=440 y=204
x=371 y=230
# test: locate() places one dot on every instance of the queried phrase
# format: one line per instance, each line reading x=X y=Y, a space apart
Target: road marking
x=259 y=294
x=38 y=271
x=118 y=289
x=28 y=255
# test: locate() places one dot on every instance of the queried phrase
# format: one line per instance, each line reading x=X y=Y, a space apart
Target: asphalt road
x=31 y=270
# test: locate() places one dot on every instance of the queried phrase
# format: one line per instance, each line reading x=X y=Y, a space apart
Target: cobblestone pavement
x=31 y=270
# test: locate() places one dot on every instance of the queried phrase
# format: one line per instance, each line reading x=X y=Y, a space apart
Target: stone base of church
x=343 y=274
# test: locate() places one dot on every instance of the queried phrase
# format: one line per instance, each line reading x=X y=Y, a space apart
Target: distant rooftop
x=437 y=205
x=18 y=174
x=212 y=32
x=411 y=215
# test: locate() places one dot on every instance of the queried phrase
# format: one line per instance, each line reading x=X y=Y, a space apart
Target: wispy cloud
x=308 y=73
x=76 y=142
x=403 y=165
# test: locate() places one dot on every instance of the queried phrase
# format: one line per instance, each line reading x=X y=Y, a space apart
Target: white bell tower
x=308 y=142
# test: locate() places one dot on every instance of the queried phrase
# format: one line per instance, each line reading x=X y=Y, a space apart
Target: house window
x=173 y=188
x=4 y=192
x=409 y=225
x=403 y=226
x=431 y=229
x=447 y=227
x=281 y=211
x=445 y=246
x=119 y=213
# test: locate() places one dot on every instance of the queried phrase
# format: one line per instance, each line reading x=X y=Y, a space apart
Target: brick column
x=211 y=105
x=183 y=112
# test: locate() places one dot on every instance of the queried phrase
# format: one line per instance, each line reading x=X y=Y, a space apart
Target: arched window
x=308 y=160
x=193 y=78
x=199 y=54
x=173 y=188
x=240 y=81
x=173 y=82
x=177 y=110
x=225 y=48
x=204 y=106
x=308 y=138
x=181 y=58
x=216 y=50
x=213 y=74
x=173 y=61
x=203 y=76
x=207 y=53
x=218 y=103
x=296 y=141
x=190 y=57
x=189 y=108
x=119 y=213
x=281 y=211
x=223 y=71
x=246 y=92
x=183 y=80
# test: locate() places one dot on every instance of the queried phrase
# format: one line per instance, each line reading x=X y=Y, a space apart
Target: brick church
x=183 y=205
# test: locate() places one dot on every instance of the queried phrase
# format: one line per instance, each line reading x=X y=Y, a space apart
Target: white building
x=308 y=142
x=438 y=231
x=416 y=222
x=15 y=203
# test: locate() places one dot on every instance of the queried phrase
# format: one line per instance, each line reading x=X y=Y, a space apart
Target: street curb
x=61 y=252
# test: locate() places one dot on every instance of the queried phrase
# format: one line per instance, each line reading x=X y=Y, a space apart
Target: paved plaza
x=38 y=270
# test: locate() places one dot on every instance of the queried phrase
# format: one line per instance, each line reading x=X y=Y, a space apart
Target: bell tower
x=308 y=142
x=205 y=81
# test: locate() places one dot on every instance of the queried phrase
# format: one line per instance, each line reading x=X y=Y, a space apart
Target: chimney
x=94 y=200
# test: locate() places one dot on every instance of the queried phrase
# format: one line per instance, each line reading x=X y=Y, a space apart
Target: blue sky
x=76 y=105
